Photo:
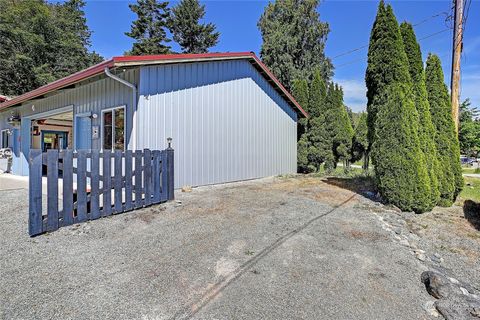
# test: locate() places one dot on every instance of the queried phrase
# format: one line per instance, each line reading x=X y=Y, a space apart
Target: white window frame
x=9 y=138
x=113 y=122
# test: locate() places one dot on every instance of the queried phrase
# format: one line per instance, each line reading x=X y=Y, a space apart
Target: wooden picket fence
x=89 y=177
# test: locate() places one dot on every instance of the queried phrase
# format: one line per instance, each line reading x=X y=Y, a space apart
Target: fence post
x=170 y=171
x=35 y=220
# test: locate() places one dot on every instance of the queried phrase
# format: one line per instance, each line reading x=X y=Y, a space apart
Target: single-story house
x=230 y=119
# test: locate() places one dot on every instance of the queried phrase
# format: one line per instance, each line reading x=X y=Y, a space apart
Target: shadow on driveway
x=363 y=186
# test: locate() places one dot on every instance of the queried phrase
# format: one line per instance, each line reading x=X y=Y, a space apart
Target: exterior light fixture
x=169 y=141
x=14 y=120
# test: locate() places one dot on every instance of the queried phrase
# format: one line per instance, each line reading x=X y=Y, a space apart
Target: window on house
x=114 y=129
x=6 y=139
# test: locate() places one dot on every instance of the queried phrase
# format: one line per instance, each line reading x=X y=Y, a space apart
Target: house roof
x=125 y=61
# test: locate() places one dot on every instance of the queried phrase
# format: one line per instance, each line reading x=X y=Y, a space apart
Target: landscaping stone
x=438 y=285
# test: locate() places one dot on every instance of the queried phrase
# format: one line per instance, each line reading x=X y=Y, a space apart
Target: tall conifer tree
x=188 y=32
x=150 y=28
x=426 y=131
x=450 y=176
x=400 y=170
x=360 y=141
x=294 y=40
x=385 y=62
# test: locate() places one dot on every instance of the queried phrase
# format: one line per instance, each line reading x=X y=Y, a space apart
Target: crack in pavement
x=188 y=311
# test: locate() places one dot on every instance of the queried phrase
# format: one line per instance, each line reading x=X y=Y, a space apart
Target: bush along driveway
x=277 y=248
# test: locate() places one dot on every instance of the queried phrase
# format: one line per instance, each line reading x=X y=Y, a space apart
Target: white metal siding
x=227 y=122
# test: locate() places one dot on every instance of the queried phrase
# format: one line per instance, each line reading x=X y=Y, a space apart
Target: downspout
x=134 y=103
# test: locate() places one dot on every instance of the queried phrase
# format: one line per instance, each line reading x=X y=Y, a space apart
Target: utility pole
x=456 y=57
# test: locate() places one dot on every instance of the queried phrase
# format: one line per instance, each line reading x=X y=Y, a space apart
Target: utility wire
x=442 y=13
x=420 y=39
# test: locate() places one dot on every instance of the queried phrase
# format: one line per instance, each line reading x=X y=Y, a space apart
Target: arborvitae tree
x=400 y=170
x=342 y=140
x=386 y=61
x=450 y=176
x=294 y=40
x=317 y=131
x=426 y=130
x=300 y=92
x=188 y=32
x=150 y=28
x=360 y=141
x=312 y=145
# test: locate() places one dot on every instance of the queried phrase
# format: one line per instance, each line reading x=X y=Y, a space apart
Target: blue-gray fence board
x=147 y=174
x=67 y=192
x=118 y=181
x=95 y=185
x=128 y=180
x=35 y=221
x=52 y=190
x=138 y=179
x=107 y=183
x=82 y=186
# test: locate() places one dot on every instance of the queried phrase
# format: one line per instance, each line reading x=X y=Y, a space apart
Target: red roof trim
x=99 y=68
x=183 y=56
x=58 y=84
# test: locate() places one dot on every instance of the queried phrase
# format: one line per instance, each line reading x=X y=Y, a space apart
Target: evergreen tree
x=360 y=141
x=150 y=28
x=312 y=145
x=188 y=32
x=300 y=93
x=343 y=132
x=385 y=62
x=426 y=131
x=319 y=135
x=294 y=40
x=400 y=170
x=450 y=177
x=41 y=42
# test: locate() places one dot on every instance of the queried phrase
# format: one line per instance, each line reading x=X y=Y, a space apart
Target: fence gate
x=95 y=184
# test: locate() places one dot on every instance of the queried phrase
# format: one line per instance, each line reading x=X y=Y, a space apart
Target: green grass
x=471 y=190
x=342 y=173
x=470 y=170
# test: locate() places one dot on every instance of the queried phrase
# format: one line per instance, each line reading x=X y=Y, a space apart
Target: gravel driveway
x=275 y=248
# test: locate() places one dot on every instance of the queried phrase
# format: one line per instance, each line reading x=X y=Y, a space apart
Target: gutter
x=134 y=103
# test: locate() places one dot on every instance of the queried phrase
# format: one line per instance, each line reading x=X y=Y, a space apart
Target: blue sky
x=350 y=23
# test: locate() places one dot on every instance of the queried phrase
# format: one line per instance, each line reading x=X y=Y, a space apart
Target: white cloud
x=354 y=93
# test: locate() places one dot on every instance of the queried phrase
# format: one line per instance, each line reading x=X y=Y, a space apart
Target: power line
x=442 y=13
x=420 y=39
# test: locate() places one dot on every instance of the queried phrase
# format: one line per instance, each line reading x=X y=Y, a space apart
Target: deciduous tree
x=41 y=42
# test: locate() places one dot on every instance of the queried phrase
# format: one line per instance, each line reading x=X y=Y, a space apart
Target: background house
x=229 y=117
